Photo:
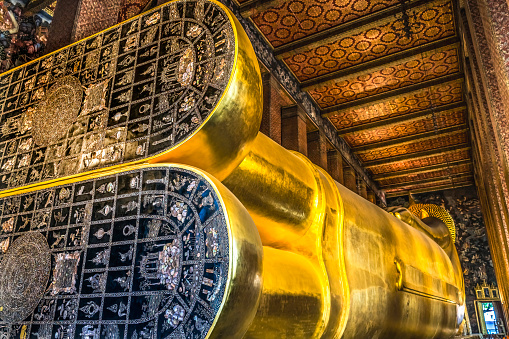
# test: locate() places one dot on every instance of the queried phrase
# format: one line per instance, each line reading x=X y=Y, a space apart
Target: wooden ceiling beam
x=251 y=8
x=411 y=138
x=330 y=34
x=400 y=119
x=458 y=176
x=418 y=155
x=387 y=96
x=398 y=57
x=421 y=170
x=431 y=189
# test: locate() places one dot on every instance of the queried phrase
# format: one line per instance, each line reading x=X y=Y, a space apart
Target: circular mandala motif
x=131 y=92
x=296 y=7
x=271 y=16
x=24 y=273
x=160 y=265
x=57 y=111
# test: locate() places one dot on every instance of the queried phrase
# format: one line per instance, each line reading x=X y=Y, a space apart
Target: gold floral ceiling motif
x=294 y=20
x=421 y=162
x=433 y=21
x=440 y=182
x=442 y=120
x=403 y=104
x=399 y=74
x=441 y=141
x=453 y=170
x=392 y=87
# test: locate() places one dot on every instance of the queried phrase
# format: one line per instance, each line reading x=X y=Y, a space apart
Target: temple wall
x=483 y=29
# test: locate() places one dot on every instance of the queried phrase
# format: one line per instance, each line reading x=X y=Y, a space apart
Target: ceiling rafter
x=398 y=57
x=457 y=176
x=422 y=170
x=418 y=155
x=412 y=138
x=329 y=35
x=430 y=189
x=386 y=96
x=253 y=7
x=401 y=118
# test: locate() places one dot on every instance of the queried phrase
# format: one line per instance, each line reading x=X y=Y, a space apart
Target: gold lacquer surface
x=290 y=282
x=401 y=281
x=381 y=277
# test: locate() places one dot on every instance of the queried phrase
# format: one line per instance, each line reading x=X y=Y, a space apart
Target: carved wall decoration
x=7 y=20
x=23 y=36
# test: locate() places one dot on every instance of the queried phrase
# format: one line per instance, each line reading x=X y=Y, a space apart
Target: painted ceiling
x=387 y=74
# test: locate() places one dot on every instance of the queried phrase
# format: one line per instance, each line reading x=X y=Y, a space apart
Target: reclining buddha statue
x=139 y=200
